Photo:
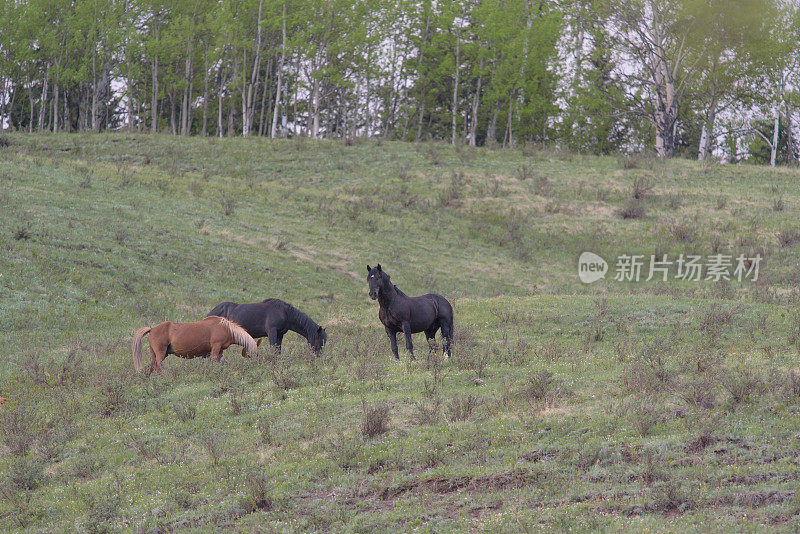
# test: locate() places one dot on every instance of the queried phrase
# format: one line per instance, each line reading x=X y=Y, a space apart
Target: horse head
x=318 y=340
x=377 y=280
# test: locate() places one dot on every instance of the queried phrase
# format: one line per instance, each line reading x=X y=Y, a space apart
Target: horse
x=401 y=313
x=273 y=318
x=208 y=337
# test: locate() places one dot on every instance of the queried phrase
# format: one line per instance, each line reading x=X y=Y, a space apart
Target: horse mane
x=303 y=322
x=240 y=336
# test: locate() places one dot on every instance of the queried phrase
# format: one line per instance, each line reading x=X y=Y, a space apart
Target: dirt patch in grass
x=443 y=485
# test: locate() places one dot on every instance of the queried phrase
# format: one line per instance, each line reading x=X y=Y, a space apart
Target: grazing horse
x=273 y=318
x=208 y=337
x=401 y=313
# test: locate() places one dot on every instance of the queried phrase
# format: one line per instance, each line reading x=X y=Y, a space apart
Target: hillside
x=659 y=405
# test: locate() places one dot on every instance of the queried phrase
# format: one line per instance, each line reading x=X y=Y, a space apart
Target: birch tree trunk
x=278 y=91
x=773 y=154
x=455 y=86
x=154 y=99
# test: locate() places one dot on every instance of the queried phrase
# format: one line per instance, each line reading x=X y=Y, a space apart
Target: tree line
x=682 y=77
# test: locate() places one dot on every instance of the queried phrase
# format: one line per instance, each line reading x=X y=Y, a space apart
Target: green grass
x=639 y=406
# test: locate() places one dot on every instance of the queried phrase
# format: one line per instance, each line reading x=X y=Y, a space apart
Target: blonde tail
x=241 y=337
x=138 y=354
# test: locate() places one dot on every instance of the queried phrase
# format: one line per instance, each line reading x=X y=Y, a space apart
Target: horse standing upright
x=401 y=313
x=208 y=337
x=272 y=318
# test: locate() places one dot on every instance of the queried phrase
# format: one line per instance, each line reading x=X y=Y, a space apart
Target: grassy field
x=660 y=406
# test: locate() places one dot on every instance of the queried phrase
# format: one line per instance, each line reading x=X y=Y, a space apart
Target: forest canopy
x=692 y=78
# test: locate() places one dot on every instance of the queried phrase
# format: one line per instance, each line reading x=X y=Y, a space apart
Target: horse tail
x=240 y=336
x=138 y=353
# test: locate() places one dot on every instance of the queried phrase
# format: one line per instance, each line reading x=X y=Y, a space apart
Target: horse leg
x=160 y=354
x=430 y=335
x=275 y=340
x=152 y=362
x=216 y=352
x=447 y=336
x=409 y=345
x=393 y=340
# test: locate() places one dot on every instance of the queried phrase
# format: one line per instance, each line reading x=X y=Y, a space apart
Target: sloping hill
x=612 y=405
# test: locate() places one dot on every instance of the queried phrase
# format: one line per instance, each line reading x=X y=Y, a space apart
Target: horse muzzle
x=373 y=295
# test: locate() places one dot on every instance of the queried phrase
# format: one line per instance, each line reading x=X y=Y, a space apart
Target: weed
x=743 y=384
x=184 y=411
x=641 y=189
x=374 y=419
x=633 y=209
x=461 y=407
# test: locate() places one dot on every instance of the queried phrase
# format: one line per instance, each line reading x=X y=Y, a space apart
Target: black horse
x=401 y=313
x=273 y=318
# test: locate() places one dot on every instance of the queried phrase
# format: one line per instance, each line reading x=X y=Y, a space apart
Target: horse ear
x=319 y=329
x=369 y=269
x=379 y=267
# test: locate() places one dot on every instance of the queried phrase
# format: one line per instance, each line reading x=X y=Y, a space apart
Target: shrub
x=345 y=449
x=642 y=415
x=184 y=411
x=778 y=204
x=540 y=389
x=742 y=384
x=461 y=407
x=25 y=474
x=633 y=209
x=641 y=189
x=722 y=202
x=375 y=419
x=428 y=411
x=264 y=425
x=257 y=492
x=788 y=238
x=214 y=444
x=698 y=393
x=18 y=424
x=21 y=233
x=228 y=202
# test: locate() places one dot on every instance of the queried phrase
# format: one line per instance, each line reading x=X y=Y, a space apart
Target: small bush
x=641 y=189
x=698 y=393
x=450 y=196
x=683 y=232
x=551 y=351
x=265 y=425
x=540 y=389
x=214 y=444
x=228 y=203
x=18 y=424
x=633 y=209
x=675 y=200
x=21 y=233
x=778 y=204
x=25 y=474
x=428 y=411
x=722 y=202
x=742 y=384
x=375 y=419
x=461 y=407
x=345 y=449
x=792 y=385
x=257 y=495
x=184 y=411
x=788 y=238
x=642 y=415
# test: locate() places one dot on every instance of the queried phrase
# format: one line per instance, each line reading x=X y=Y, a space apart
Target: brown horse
x=208 y=337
